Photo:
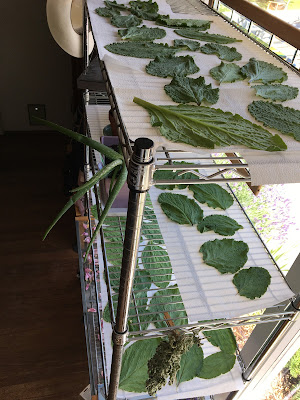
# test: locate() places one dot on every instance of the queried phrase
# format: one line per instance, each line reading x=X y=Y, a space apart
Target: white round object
x=65 y=21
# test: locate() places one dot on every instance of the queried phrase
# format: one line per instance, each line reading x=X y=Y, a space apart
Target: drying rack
x=141 y=166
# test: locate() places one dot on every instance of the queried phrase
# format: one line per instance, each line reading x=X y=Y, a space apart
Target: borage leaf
x=223 y=52
x=227 y=72
x=261 y=71
x=141 y=49
x=114 y=4
x=213 y=195
x=107 y=12
x=169 y=65
x=189 y=90
x=165 y=20
x=157 y=263
x=188 y=44
x=142 y=34
x=190 y=364
x=125 y=21
x=207 y=127
x=252 y=282
x=144 y=9
x=220 y=224
x=276 y=92
x=192 y=33
x=216 y=365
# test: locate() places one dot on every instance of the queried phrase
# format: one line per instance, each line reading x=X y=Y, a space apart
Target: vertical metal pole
x=139 y=176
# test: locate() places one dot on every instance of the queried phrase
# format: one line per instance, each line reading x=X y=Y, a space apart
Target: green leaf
x=190 y=364
x=189 y=90
x=227 y=73
x=217 y=364
x=157 y=263
x=205 y=36
x=284 y=119
x=206 y=127
x=220 y=224
x=142 y=279
x=252 y=282
x=276 y=92
x=180 y=208
x=125 y=21
x=114 y=4
x=226 y=255
x=223 y=52
x=143 y=33
x=261 y=71
x=169 y=65
x=144 y=9
x=188 y=44
x=166 y=304
x=107 y=12
x=165 y=20
x=173 y=175
x=222 y=338
x=134 y=372
x=213 y=195
x=141 y=49
x=152 y=232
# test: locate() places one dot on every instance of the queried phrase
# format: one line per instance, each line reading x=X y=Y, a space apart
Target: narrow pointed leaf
x=141 y=49
x=223 y=52
x=142 y=34
x=227 y=73
x=165 y=20
x=194 y=33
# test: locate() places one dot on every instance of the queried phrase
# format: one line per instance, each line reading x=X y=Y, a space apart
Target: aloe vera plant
x=116 y=163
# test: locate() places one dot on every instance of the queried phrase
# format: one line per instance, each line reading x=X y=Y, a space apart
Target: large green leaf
x=227 y=72
x=223 y=52
x=193 y=33
x=261 y=71
x=188 y=90
x=188 y=44
x=216 y=365
x=252 y=282
x=220 y=224
x=144 y=9
x=222 y=338
x=142 y=34
x=169 y=65
x=125 y=21
x=207 y=127
x=151 y=231
x=141 y=49
x=284 y=119
x=173 y=175
x=276 y=92
x=213 y=195
x=107 y=12
x=165 y=20
x=114 y=4
x=226 y=255
x=157 y=263
x=134 y=372
x=166 y=304
x=142 y=279
x=180 y=208
x=190 y=364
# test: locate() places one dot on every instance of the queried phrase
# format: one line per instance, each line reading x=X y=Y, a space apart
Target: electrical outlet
x=37 y=110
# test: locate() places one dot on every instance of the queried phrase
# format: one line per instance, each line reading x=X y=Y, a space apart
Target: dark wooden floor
x=42 y=344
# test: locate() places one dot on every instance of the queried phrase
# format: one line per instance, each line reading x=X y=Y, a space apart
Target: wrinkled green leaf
x=142 y=279
x=134 y=372
x=114 y=253
x=220 y=224
x=152 y=232
x=276 y=92
x=189 y=90
x=107 y=12
x=144 y=9
x=157 y=263
x=227 y=73
x=284 y=119
x=180 y=208
x=188 y=44
x=222 y=338
x=261 y=71
x=141 y=49
x=226 y=255
x=173 y=175
x=213 y=195
x=168 y=301
x=217 y=364
x=165 y=20
x=252 y=282
x=143 y=33
x=193 y=33
x=168 y=65
x=207 y=127
x=190 y=364
x=114 y=4
x=223 y=52
x=125 y=21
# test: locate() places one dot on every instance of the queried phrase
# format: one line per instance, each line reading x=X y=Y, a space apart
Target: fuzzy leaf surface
x=114 y=4
x=223 y=52
x=189 y=90
x=207 y=127
x=188 y=44
x=192 y=23
x=107 y=12
x=284 y=119
x=156 y=261
x=173 y=175
x=144 y=9
x=141 y=49
x=169 y=65
x=252 y=282
x=180 y=208
x=142 y=34
x=226 y=255
x=192 y=33
x=190 y=364
x=134 y=372
x=261 y=71
x=217 y=364
x=222 y=338
x=276 y=92
x=213 y=195
x=220 y=224
x=125 y=21
x=226 y=72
